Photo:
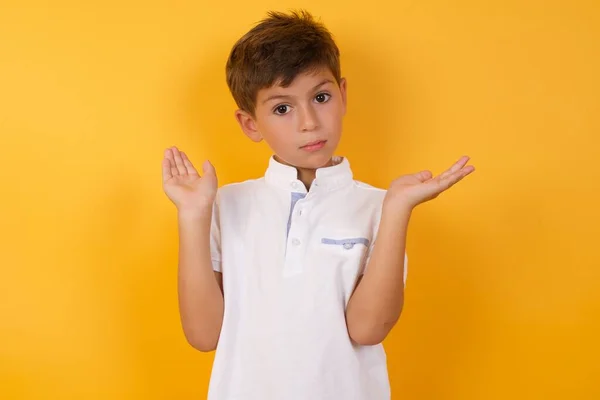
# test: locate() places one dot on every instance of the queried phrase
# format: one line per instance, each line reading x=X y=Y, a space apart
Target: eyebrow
x=283 y=96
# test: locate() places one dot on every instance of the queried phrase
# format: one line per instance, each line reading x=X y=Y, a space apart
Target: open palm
x=422 y=186
x=183 y=184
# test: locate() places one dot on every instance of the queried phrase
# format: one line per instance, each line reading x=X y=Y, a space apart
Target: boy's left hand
x=411 y=190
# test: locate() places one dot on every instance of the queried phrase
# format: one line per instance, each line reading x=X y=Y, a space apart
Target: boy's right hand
x=184 y=186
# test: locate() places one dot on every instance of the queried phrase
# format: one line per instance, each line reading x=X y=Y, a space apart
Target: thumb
x=423 y=175
x=208 y=168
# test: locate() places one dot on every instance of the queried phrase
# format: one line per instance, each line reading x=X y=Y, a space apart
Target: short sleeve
x=372 y=247
x=215 y=237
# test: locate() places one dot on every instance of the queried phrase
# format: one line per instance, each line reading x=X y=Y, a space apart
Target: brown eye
x=322 y=97
x=281 y=109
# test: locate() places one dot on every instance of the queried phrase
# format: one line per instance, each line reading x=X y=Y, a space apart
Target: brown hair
x=279 y=48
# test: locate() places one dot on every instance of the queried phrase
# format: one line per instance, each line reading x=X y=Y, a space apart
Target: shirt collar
x=327 y=178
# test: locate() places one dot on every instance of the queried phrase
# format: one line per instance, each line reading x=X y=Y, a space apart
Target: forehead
x=302 y=83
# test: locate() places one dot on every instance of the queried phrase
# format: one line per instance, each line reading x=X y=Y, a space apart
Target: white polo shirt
x=290 y=259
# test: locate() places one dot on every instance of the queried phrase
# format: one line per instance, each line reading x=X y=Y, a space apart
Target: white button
x=299 y=212
x=295 y=242
x=348 y=245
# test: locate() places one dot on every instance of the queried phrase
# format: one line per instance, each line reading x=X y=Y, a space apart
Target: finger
x=456 y=167
x=169 y=156
x=188 y=164
x=166 y=169
x=179 y=161
x=455 y=177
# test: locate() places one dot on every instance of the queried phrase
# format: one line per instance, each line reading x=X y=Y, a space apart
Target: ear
x=344 y=92
x=248 y=125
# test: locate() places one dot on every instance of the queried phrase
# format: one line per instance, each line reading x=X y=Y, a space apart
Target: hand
x=184 y=186
x=411 y=190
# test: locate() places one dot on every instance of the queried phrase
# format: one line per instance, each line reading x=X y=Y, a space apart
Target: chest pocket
x=346 y=243
x=346 y=250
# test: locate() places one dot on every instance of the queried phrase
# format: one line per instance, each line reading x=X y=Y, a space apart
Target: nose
x=308 y=119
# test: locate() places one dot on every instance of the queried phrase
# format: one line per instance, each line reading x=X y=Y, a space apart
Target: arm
x=200 y=289
x=378 y=299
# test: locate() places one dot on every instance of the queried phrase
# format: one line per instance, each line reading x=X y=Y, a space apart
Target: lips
x=314 y=145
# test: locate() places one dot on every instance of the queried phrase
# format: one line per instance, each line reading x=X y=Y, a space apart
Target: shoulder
x=369 y=190
x=238 y=190
x=365 y=198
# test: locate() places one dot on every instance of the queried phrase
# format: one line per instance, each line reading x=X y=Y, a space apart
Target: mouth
x=314 y=146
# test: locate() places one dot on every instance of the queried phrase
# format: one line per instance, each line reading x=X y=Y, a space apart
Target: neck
x=306 y=175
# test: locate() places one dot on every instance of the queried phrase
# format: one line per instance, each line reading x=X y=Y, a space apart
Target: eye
x=281 y=109
x=322 y=97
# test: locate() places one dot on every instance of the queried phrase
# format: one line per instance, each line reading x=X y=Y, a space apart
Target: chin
x=307 y=160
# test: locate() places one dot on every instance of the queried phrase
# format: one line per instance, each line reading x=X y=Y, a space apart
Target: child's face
x=302 y=123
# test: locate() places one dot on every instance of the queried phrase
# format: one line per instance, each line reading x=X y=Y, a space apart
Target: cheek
x=332 y=116
x=274 y=129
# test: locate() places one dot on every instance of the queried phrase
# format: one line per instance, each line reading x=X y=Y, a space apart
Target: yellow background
x=503 y=299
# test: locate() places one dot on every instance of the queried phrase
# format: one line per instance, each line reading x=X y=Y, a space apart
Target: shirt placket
x=297 y=233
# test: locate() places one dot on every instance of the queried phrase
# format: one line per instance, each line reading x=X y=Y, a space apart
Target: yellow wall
x=503 y=298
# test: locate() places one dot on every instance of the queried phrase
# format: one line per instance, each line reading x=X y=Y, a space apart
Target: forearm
x=200 y=296
x=377 y=302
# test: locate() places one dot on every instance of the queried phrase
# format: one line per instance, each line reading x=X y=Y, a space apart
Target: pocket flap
x=346 y=243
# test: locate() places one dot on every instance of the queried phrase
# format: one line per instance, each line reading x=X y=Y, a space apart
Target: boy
x=281 y=274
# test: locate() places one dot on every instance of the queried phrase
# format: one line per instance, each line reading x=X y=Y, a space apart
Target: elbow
x=370 y=333
x=203 y=345
x=366 y=341
x=201 y=342
x=367 y=337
